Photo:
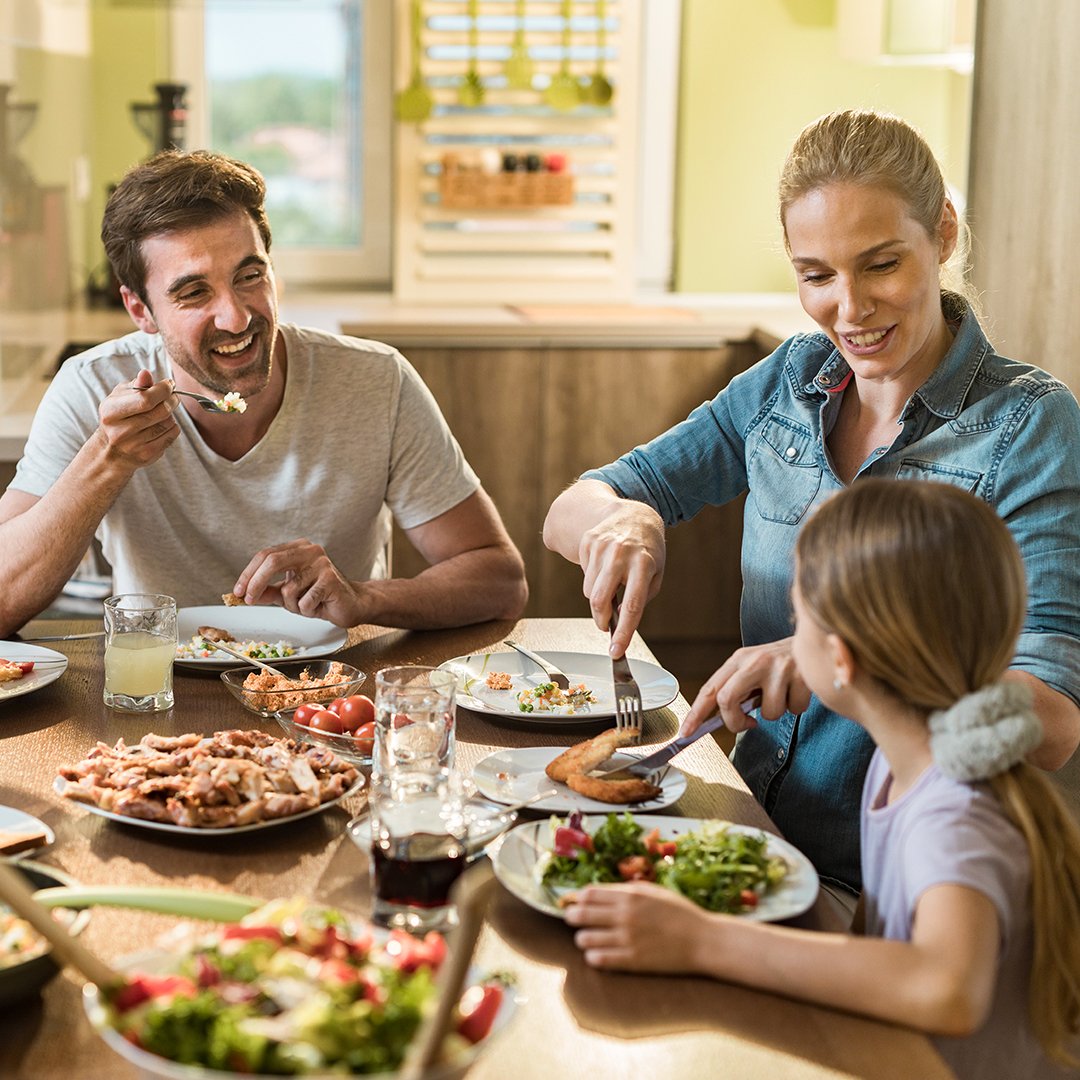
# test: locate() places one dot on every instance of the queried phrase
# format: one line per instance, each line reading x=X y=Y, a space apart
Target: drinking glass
x=414 y=719
x=419 y=846
x=140 y=646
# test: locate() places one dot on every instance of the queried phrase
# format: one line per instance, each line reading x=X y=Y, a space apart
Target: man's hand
x=766 y=669
x=300 y=577
x=137 y=426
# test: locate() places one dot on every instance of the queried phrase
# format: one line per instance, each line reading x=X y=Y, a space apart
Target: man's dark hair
x=172 y=191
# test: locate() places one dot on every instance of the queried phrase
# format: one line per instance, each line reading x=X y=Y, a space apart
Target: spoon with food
x=230 y=403
x=220 y=639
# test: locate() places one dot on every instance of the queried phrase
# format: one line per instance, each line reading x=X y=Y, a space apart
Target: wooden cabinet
x=531 y=419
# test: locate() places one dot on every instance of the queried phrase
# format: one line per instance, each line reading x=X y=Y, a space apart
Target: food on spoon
x=231 y=402
x=293 y=989
x=230 y=599
x=217 y=781
x=587 y=755
x=718 y=868
x=498 y=680
x=549 y=698
x=10 y=670
x=213 y=633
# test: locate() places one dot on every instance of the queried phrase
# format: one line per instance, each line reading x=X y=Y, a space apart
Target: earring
x=838 y=685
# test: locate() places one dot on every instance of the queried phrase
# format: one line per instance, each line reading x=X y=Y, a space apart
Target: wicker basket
x=461 y=190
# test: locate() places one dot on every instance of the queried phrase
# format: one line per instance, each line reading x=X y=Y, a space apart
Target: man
x=338 y=434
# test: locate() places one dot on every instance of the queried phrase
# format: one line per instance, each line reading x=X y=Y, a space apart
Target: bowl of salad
x=290 y=990
x=305 y=682
x=26 y=962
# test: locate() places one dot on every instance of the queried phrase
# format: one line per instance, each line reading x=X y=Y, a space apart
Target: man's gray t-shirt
x=358 y=437
x=943 y=832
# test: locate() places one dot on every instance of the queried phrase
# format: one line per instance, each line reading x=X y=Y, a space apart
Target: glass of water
x=414 y=720
x=419 y=847
x=140 y=646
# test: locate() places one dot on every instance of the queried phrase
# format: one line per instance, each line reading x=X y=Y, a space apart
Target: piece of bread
x=585 y=756
x=230 y=599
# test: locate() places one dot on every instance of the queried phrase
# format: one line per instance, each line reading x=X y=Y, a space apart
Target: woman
x=901 y=383
x=972 y=864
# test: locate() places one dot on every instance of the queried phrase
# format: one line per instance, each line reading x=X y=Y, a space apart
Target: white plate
x=17 y=821
x=188 y=830
x=658 y=687
x=516 y=858
x=311 y=637
x=16 y=650
x=511 y=776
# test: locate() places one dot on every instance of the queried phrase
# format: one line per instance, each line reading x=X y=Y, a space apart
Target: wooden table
x=575 y=1019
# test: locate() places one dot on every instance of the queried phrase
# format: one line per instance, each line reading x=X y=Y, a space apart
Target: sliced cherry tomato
x=655 y=846
x=304 y=713
x=236 y=932
x=327 y=722
x=364 y=739
x=335 y=705
x=26 y=666
x=408 y=953
x=748 y=898
x=636 y=868
x=142 y=988
x=477 y=1010
x=356 y=711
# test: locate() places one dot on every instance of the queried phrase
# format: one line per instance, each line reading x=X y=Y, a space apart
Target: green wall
x=754 y=73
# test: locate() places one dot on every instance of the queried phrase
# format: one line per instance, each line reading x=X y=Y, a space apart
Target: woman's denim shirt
x=1007 y=432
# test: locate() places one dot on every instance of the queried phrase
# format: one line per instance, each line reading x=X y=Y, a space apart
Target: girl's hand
x=638 y=927
x=766 y=669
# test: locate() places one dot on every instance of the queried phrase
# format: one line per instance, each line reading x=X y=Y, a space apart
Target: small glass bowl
x=342 y=745
x=268 y=703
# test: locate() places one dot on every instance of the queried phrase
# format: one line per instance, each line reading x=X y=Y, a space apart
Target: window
x=301 y=90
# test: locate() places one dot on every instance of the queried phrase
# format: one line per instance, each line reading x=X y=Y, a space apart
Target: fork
x=627 y=694
x=209 y=404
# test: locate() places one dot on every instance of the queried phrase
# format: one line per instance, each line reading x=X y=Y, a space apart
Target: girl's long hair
x=926 y=586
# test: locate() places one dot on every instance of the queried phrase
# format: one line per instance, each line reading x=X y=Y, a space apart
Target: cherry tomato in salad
x=356 y=711
x=477 y=1010
x=636 y=868
x=748 y=898
x=364 y=739
x=655 y=846
x=408 y=953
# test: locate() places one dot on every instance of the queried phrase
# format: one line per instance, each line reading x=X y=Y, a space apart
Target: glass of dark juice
x=419 y=835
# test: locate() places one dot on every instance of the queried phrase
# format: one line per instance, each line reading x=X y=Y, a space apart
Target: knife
x=552 y=672
x=60 y=637
x=644 y=766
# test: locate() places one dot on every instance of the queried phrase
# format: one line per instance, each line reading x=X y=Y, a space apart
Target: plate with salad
x=262 y=631
x=721 y=866
x=511 y=685
x=290 y=990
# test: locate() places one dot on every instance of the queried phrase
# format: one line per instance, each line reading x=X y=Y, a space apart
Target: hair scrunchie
x=985 y=733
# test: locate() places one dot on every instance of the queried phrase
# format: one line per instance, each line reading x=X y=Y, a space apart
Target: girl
x=908 y=601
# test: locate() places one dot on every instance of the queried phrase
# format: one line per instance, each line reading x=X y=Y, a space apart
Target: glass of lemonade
x=140 y=646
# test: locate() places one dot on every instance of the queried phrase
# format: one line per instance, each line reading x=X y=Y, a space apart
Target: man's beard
x=247 y=380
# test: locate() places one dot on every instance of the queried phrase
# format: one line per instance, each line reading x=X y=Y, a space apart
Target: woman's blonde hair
x=873 y=149
x=925 y=585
